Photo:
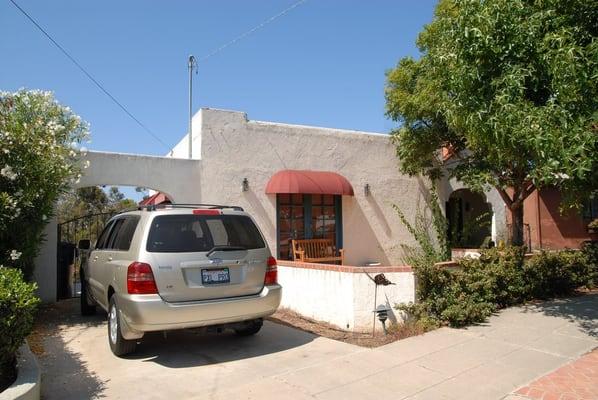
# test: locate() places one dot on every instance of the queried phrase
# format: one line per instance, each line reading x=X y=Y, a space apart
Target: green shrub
x=17 y=308
x=590 y=251
x=552 y=274
x=498 y=279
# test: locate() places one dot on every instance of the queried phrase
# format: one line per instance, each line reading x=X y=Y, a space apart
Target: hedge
x=499 y=278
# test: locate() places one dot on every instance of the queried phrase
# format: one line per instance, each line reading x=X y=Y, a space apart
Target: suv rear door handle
x=109 y=258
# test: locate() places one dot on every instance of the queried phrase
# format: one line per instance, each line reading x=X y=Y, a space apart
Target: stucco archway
x=469 y=218
x=178 y=178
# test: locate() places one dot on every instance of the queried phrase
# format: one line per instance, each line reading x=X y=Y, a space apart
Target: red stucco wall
x=548 y=228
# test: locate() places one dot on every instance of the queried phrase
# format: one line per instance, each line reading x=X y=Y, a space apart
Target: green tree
x=510 y=87
x=39 y=159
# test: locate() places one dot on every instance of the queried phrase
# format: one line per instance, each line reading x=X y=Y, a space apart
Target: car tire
x=251 y=328
x=119 y=345
x=87 y=307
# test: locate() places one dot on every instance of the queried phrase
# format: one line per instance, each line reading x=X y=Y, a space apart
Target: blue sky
x=321 y=64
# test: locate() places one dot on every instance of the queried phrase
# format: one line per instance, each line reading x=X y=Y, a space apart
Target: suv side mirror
x=84 y=244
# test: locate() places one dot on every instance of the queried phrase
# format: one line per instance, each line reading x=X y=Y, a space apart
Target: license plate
x=211 y=276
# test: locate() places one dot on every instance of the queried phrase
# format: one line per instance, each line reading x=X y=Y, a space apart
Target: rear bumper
x=146 y=313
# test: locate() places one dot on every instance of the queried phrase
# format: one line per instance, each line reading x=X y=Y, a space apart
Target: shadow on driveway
x=64 y=372
x=194 y=348
x=581 y=310
x=77 y=362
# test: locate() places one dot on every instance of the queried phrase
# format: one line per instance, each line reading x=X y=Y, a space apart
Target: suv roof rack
x=154 y=207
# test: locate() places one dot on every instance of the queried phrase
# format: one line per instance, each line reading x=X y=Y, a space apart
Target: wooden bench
x=316 y=250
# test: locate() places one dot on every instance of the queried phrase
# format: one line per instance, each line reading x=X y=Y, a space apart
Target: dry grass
x=365 y=339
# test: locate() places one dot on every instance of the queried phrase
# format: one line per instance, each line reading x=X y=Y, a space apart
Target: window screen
x=200 y=233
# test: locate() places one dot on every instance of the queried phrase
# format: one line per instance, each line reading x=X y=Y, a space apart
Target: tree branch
x=505 y=196
x=529 y=190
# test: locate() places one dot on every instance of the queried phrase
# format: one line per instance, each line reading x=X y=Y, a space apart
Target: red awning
x=155 y=199
x=309 y=182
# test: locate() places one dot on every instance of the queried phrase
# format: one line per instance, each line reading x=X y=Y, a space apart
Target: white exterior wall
x=318 y=294
x=45 y=264
x=344 y=299
x=403 y=291
x=233 y=148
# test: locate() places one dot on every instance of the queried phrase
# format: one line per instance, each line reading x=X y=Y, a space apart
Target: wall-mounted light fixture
x=245 y=185
x=366 y=189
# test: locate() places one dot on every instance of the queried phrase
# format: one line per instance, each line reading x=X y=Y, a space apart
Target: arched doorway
x=469 y=219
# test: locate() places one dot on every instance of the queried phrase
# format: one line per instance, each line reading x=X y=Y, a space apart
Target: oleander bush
x=39 y=157
x=17 y=310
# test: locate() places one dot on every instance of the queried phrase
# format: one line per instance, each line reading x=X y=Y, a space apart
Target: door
x=291 y=222
x=96 y=258
x=317 y=216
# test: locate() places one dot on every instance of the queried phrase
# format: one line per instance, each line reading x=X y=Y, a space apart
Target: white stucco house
x=298 y=182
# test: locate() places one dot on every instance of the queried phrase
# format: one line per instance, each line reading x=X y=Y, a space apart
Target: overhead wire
x=250 y=31
x=88 y=75
x=207 y=56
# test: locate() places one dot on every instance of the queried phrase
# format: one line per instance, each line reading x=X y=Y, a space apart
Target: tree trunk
x=517 y=225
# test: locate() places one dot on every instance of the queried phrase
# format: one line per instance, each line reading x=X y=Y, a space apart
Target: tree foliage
x=77 y=203
x=39 y=158
x=510 y=88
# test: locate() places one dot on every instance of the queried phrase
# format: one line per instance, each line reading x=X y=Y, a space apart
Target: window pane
x=284 y=199
x=176 y=233
x=298 y=199
x=101 y=243
x=297 y=212
x=284 y=252
x=316 y=212
x=284 y=225
x=114 y=233
x=328 y=211
x=125 y=235
x=316 y=199
x=285 y=212
x=329 y=199
x=298 y=225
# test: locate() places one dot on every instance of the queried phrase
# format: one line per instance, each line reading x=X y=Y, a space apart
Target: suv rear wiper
x=224 y=248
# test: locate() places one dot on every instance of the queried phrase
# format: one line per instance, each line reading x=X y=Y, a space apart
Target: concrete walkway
x=483 y=362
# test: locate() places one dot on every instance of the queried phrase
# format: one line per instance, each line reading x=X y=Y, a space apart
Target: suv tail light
x=271 y=272
x=140 y=279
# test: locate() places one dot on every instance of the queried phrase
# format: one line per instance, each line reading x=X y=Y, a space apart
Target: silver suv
x=179 y=266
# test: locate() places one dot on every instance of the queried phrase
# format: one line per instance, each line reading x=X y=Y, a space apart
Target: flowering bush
x=39 y=157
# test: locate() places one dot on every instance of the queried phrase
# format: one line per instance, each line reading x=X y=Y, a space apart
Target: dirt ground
x=365 y=339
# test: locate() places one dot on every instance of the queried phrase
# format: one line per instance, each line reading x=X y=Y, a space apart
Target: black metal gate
x=69 y=253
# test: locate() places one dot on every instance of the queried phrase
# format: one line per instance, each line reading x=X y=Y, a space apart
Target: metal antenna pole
x=192 y=64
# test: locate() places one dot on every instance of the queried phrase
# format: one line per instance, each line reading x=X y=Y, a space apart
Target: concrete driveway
x=483 y=362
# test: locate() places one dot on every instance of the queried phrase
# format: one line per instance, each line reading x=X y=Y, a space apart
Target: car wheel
x=87 y=306
x=119 y=345
x=251 y=328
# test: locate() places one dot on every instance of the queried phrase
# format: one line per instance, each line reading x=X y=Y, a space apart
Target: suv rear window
x=199 y=233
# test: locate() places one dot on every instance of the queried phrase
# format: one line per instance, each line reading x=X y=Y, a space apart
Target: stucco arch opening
x=470 y=218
